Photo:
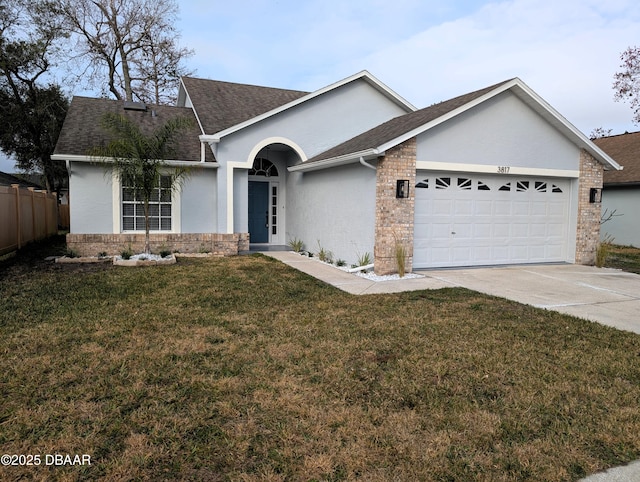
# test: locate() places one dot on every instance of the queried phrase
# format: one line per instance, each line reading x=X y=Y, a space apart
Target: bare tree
x=627 y=81
x=600 y=132
x=130 y=43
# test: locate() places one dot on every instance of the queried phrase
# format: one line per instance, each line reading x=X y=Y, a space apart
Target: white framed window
x=160 y=207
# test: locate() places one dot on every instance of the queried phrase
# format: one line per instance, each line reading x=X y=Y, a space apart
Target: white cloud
x=567 y=51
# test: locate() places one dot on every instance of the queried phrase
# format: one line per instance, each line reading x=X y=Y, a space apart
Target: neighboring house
x=9 y=179
x=496 y=176
x=621 y=192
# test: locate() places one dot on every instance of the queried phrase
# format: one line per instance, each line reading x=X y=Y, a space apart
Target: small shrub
x=324 y=254
x=70 y=253
x=341 y=262
x=296 y=245
x=363 y=259
x=102 y=254
x=164 y=253
x=126 y=253
x=401 y=256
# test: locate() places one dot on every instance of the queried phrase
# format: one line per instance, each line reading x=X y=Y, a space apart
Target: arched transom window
x=263 y=167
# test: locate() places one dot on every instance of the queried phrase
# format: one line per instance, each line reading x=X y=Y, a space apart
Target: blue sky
x=427 y=51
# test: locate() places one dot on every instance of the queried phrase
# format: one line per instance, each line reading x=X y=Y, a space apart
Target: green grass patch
x=245 y=369
x=626 y=258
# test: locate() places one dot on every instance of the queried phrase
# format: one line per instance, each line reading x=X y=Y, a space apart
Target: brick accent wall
x=113 y=244
x=588 y=228
x=394 y=217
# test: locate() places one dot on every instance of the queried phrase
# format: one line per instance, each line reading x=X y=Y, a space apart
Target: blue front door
x=259 y=212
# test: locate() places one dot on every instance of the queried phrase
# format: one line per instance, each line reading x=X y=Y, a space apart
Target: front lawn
x=245 y=369
x=626 y=258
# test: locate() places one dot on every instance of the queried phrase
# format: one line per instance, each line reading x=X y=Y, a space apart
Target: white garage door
x=475 y=220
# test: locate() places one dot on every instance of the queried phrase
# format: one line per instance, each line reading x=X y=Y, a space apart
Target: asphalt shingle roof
x=399 y=126
x=82 y=129
x=220 y=105
x=625 y=150
x=9 y=179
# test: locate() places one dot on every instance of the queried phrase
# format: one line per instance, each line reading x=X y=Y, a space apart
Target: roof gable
x=243 y=105
x=625 y=149
x=374 y=142
x=82 y=129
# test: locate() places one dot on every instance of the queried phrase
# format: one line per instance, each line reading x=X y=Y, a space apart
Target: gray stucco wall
x=198 y=203
x=90 y=199
x=625 y=229
x=502 y=131
x=335 y=207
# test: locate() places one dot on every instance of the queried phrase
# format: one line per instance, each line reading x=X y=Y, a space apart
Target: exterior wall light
x=595 y=195
x=402 y=189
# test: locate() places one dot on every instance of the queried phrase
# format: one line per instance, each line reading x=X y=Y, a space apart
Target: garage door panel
x=538 y=230
x=520 y=208
x=464 y=220
x=482 y=231
x=442 y=207
x=519 y=232
x=539 y=208
x=483 y=208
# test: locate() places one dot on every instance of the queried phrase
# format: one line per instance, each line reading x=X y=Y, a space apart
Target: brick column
x=588 y=228
x=394 y=217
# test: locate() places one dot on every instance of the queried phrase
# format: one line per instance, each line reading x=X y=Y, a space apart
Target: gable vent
x=129 y=105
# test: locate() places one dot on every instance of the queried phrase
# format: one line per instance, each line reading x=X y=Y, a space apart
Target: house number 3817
x=503 y=169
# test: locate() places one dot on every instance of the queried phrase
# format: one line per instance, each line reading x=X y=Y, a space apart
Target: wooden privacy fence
x=25 y=215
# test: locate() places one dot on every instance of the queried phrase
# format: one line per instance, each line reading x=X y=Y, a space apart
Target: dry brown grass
x=244 y=369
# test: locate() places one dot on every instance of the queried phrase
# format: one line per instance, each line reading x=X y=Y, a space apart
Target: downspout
x=366 y=164
x=369 y=266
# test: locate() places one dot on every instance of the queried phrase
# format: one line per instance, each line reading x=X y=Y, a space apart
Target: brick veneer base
x=588 y=226
x=113 y=244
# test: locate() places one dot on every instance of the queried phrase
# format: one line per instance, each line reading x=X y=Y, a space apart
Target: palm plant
x=139 y=159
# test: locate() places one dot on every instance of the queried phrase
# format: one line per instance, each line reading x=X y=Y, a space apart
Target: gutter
x=95 y=160
x=337 y=161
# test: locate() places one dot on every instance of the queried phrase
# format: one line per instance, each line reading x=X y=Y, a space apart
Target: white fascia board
x=384 y=89
x=96 y=160
x=335 y=161
x=360 y=75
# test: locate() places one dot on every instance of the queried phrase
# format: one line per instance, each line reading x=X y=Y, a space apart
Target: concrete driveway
x=607 y=296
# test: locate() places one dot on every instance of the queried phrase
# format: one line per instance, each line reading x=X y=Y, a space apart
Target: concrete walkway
x=606 y=296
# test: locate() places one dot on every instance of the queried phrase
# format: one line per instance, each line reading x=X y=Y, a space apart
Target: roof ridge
x=227 y=82
x=618 y=135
